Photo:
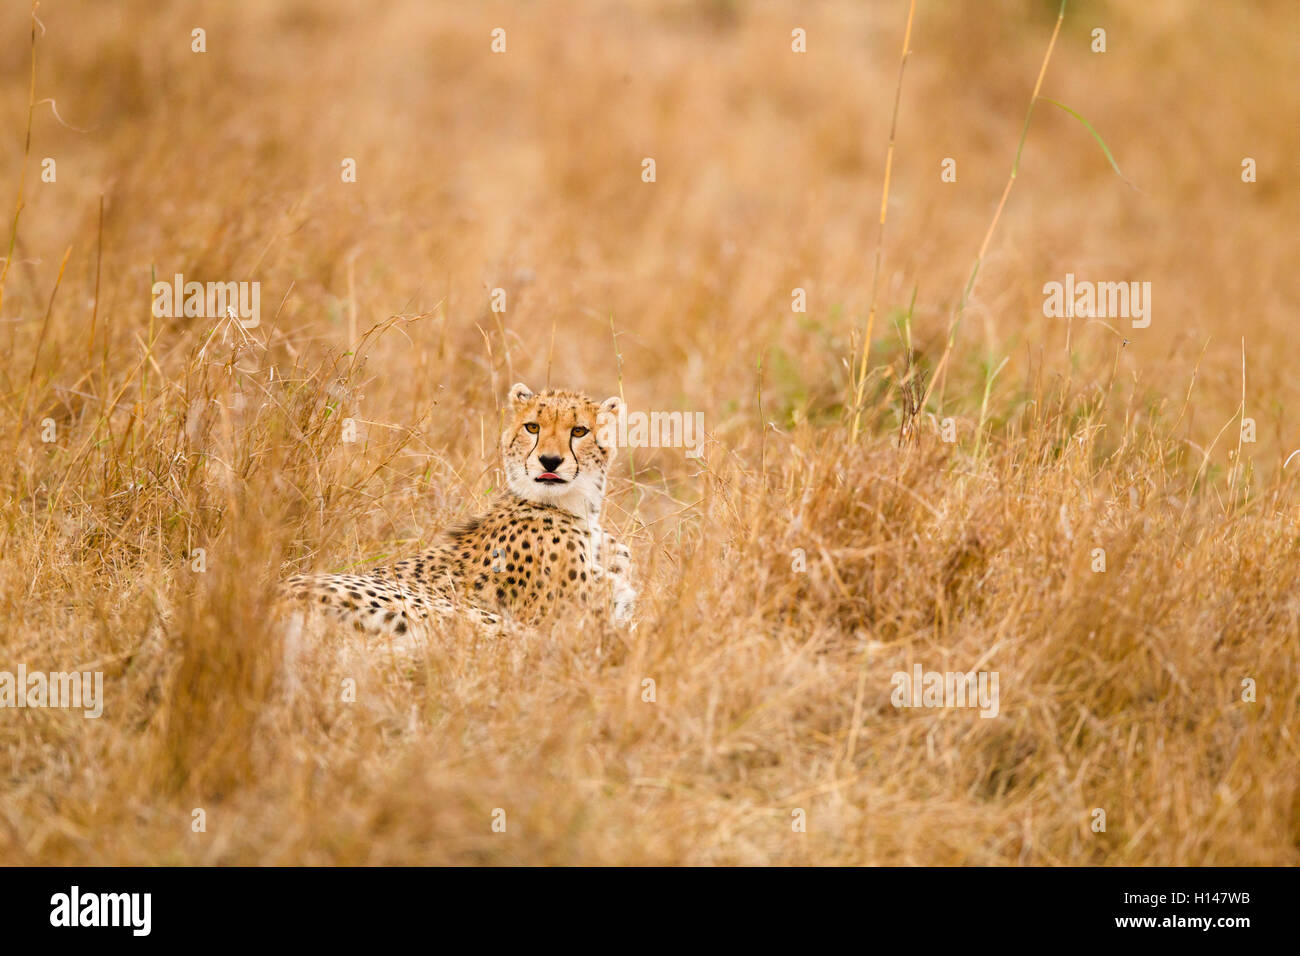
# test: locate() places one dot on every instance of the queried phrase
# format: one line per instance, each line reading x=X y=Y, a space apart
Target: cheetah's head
x=558 y=446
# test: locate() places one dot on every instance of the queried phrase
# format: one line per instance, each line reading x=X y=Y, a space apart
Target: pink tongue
x=548 y=474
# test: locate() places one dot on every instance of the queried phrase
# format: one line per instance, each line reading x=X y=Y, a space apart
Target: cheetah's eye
x=580 y=431
x=532 y=428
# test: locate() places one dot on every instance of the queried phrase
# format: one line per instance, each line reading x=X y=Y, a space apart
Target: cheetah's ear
x=608 y=414
x=519 y=393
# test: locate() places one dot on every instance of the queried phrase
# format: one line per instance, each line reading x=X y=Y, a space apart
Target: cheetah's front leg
x=615 y=561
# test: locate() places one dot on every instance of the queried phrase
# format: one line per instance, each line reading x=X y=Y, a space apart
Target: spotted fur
x=537 y=552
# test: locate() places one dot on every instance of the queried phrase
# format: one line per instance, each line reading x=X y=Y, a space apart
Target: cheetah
x=537 y=551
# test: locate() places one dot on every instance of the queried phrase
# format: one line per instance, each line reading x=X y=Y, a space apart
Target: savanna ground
x=134 y=444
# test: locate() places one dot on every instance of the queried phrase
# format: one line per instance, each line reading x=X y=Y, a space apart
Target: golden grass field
x=132 y=441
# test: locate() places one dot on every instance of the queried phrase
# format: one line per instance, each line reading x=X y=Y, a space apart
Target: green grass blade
x=1095 y=135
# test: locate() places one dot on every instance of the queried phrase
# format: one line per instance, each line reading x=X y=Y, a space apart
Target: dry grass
x=1119 y=690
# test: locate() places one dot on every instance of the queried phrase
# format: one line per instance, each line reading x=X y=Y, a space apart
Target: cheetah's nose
x=550 y=462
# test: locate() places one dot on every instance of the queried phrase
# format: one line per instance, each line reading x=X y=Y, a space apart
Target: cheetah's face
x=558 y=447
